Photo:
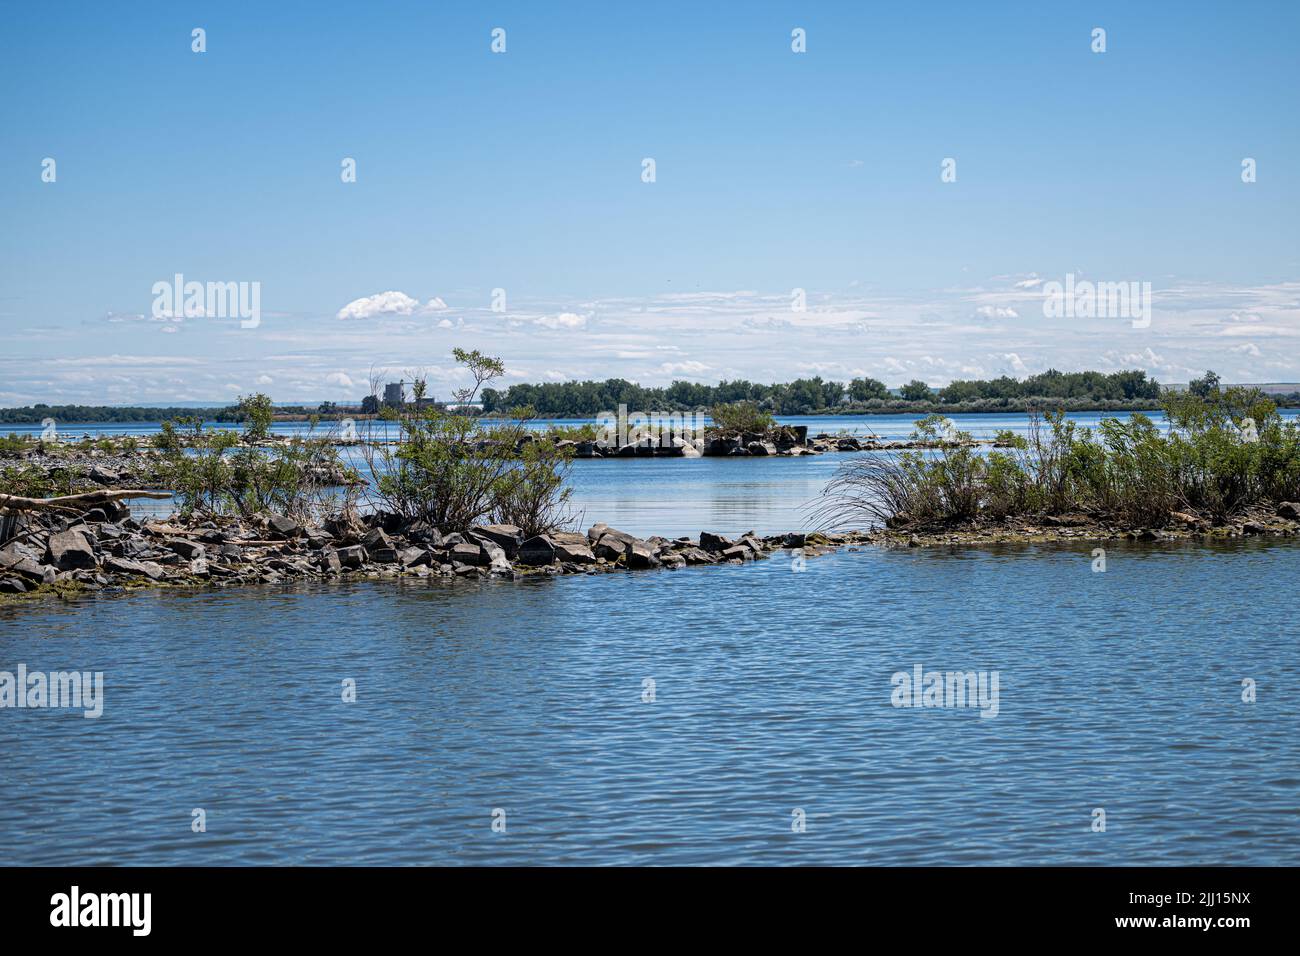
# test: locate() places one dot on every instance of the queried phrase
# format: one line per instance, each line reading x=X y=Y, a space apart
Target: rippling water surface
x=1119 y=690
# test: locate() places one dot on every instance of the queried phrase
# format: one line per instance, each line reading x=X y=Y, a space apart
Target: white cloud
x=683 y=368
x=1012 y=359
x=993 y=312
x=388 y=303
x=339 y=379
x=565 y=320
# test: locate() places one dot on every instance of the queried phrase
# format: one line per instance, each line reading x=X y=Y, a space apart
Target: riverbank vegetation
x=450 y=470
x=1221 y=454
x=217 y=471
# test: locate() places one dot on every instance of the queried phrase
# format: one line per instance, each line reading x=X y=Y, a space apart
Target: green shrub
x=450 y=470
x=741 y=418
x=1223 y=452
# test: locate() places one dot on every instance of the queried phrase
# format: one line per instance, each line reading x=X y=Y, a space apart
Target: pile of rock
x=787 y=441
x=107 y=548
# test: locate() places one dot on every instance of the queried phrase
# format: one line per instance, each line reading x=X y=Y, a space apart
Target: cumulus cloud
x=388 y=303
x=993 y=312
x=339 y=379
x=683 y=368
x=565 y=320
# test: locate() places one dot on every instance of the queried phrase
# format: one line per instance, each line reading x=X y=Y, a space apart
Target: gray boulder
x=69 y=550
x=493 y=556
x=413 y=557
x=283 y=527
x=505 y=536
x=353 y=556
x=467 y=552
x=185 y=548
x=715 y=542
x=697 y=556
x=572 y=547
x=610 y=547
x=537 y=551
x=143 y=569
x=640 y=554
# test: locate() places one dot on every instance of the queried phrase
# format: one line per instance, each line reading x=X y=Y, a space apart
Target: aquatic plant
x=1221 y=453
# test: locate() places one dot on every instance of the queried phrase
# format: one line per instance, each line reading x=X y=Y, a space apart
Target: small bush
x=741 y=418
x=1222 y=453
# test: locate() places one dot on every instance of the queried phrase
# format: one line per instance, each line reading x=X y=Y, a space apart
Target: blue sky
x=521 y=171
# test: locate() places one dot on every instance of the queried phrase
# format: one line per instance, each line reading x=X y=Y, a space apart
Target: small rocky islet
x=106 y=548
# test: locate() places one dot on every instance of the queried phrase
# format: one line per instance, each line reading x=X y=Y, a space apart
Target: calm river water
x=772 y=695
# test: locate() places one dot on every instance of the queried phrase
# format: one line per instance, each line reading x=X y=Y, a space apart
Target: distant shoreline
x=127 y=415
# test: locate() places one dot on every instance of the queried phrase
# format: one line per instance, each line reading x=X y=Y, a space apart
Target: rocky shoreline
x=787 y=441
x=107 y=549
x=1280 y=521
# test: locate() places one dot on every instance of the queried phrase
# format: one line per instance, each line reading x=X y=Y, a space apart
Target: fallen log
x=88 y=499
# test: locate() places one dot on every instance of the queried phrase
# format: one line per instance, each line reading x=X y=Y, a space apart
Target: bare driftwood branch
x=87 y=499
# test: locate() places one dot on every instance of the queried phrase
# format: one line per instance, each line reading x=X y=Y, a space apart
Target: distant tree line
x=35 y=414
x=809 y=395
x=112 y=414
x=1070 y=391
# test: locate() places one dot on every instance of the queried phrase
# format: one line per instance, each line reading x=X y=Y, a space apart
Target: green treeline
x=88 y=414
x=35 y=414
x=811 y=395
